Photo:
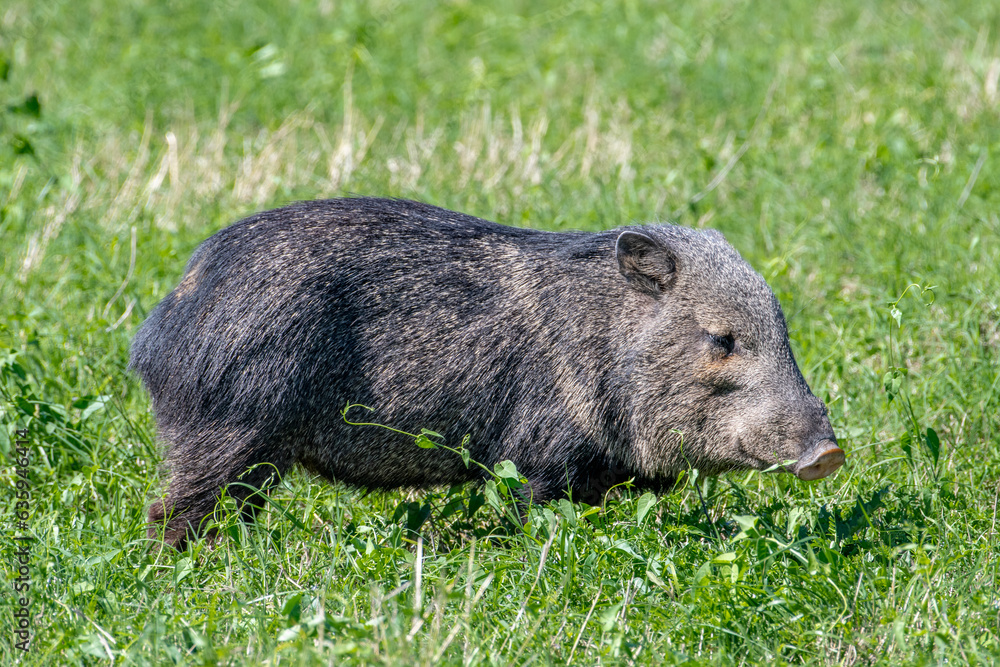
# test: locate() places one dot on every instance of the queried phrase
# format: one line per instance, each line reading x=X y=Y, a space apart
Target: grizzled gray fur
x=585 y=358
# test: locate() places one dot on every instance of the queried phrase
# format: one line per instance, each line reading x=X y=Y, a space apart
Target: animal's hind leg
x=197 y=484
x=179 y=516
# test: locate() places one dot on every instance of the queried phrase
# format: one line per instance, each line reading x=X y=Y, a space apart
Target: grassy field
x=850 y=150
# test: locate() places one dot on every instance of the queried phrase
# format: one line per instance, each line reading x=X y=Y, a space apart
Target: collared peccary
x=585 y=358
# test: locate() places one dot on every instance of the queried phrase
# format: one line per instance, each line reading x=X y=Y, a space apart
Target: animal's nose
x=820 y=460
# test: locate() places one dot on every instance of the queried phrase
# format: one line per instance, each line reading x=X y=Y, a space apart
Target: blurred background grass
x=847 y=149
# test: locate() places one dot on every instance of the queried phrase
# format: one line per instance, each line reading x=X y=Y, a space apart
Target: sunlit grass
x=848 y=151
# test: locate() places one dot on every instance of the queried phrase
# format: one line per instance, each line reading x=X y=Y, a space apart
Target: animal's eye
x=726 y=344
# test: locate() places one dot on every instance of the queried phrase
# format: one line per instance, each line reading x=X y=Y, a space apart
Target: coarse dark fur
x=585 y=358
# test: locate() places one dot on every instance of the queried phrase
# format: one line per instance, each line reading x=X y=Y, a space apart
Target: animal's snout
x=819 y=461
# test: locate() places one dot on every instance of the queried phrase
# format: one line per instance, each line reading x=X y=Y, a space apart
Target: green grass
x=847 y=149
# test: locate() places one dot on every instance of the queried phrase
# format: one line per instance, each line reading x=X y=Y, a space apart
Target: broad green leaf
x=609 y=616
x=747 y=522
x=492 y=495
x=423 y=442
x=506 y=470
x=896 y=315
x=292 y=609
x=182 y=569
x=626 y=547
x=646 y=503
x=933 y=444
x=81 y=587
x=97 y=403
x=568 y=510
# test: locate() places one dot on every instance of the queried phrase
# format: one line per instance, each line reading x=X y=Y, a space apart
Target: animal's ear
x=650 y=266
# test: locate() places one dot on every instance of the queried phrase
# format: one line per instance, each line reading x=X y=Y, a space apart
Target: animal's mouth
x=819 y=461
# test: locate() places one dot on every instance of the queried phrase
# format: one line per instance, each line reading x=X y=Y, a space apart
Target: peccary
x=585 y=358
